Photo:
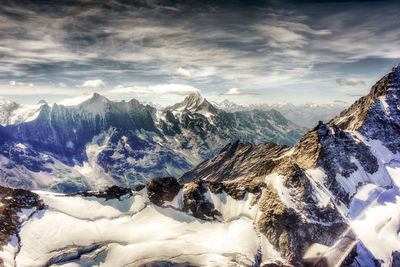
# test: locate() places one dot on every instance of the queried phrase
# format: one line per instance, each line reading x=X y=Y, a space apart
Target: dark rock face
x=280 y=224
x=166 y=264
x=195 y=201
x=113 y=192
x=337 y=148
x=237 y=189
x=162 y=189
x=236 y=160
x=383 y=123
x=13 y=201
x=275 y=264
x=288 y=233
x=305 y=200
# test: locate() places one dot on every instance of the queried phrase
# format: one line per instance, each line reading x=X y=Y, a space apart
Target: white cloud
x=184 y=72
x=352 y=83
x=237 y=91
x=176 y=89
x=15 y=83
x=94 y=84
x=279 y=36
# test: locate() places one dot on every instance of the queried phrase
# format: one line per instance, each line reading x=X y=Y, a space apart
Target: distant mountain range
x=306 y=115
x=90 y=142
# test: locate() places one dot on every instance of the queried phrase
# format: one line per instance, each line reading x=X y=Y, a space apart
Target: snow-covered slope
x=96 y=229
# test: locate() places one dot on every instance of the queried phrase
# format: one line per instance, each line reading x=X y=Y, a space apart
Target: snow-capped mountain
x=332 y=199
x=334 y=196
x=91 y=142
x=194 y=103
x=306 y=115
x=14 y=113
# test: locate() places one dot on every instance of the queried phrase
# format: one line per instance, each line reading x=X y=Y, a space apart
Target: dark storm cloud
x=211 y=45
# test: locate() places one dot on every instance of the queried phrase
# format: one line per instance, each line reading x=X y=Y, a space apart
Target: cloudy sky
x=159 y=51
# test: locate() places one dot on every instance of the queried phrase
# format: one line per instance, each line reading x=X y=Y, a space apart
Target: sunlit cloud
x=176 y=89
x=268 y=50
x=237 y=91
x=93 y=84
x=15 y=83
x=184 y=72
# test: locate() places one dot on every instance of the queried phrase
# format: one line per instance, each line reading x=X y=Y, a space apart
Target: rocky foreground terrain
x=331 y=199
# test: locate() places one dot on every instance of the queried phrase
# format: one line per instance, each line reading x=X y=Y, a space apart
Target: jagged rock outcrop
x=166 y=264
x=162 y=189
x=236 y=160
x=113 y=192
x=13 y=202
x=195 y=201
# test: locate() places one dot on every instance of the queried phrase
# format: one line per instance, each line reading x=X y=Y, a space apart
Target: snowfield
x=76 y=231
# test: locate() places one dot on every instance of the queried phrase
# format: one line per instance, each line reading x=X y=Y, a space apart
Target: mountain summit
x=194 y=103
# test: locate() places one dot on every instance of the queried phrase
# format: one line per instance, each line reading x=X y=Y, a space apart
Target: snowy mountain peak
x=85 y=98
x=194 y=103
x=14 y=113
x=91 y=102
x=95 y=98
x=381 y=104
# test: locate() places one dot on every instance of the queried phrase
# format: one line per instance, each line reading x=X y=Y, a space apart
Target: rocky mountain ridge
x=91 y=142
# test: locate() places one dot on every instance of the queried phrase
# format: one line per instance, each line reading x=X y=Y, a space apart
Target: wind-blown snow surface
x=76 y=231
